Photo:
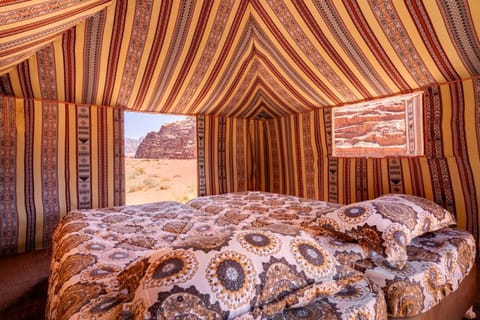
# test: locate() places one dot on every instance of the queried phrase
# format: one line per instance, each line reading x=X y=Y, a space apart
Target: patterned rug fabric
x=136 y=259
x=250 y=255
x=437 y=263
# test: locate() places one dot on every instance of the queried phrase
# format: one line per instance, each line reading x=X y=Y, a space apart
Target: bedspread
x=437 y=263
x=125 y=262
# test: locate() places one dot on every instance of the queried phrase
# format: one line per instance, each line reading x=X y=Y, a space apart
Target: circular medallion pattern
x=313 y=311
x=185 y=306
x=313 y=259
x=397 y=235
x=231 y=276
x=262 y=243
x=351 y=293
x=177 y=266
x=433 y=278
x=327 y=224
x=355 y=214
x=464 y=257
x=404 y=296
x=359 y=313
x=397 y=212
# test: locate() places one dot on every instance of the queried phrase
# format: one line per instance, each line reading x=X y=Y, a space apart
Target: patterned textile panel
x=437 y=263
x=357 y=300
x=388 y=224
x=261 y=209
x=55 y=157
x=294 y=158
x=251 y=269
x=111 y=261
x=224 y=160
x=347 y=253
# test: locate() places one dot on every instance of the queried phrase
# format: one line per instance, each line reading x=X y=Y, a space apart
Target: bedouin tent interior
x=261 y=78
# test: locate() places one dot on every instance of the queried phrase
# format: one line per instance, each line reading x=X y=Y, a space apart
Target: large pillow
x=388 y=223
x=251 y=268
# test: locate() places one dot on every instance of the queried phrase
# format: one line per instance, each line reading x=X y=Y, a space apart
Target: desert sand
x=151 y=180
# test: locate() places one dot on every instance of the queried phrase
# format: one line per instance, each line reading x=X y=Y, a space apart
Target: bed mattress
x=437 y=263
x=155 y=261
x=124 y=262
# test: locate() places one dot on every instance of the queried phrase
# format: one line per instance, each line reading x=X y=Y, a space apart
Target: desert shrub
x=150 y=183
x=135 y=188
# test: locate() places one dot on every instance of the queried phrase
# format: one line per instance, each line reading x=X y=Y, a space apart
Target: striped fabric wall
x=55 y=157
x=224 y=155
x=27 y=26
x=233 y=58
x=296 y=157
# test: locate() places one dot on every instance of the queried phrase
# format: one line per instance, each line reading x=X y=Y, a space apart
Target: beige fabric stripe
x=111 y=156
x=72 y=156
x=37 y=174
x=94 y=167
x=61 y=158
x=20 y=179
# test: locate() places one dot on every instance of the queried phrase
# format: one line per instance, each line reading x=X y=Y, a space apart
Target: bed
x=250 y=255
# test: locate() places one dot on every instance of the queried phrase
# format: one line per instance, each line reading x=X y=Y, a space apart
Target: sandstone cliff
x=176 y=140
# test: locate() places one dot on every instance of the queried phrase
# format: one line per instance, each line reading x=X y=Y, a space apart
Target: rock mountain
x=176 y=140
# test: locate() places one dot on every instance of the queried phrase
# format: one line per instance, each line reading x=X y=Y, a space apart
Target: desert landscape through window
x=160 y=158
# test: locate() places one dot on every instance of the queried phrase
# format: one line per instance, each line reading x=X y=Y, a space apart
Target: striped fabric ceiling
x=239 y=58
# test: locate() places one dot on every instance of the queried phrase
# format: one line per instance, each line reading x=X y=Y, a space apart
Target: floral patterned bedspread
x=250 y=255
x=167 y=260
x=437 y=263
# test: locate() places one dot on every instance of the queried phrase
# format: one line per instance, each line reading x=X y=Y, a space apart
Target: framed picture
x=381 y=128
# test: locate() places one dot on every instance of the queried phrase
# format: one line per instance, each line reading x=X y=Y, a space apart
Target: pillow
x=388 y=223
x=436 y=216
x=251 y=269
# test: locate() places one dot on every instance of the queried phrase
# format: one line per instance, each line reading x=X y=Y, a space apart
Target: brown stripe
x=49 y=170
x=377 y=177
x=373 y=43
x=8 y=212
x=94 y=29
x=312 y=75
x=192 y=52
x=29 y=180
x=430 y=39
x=201 y=155
x=397 y=34
x=339 y=30
x=46 y=72
x=462 y=31
x=361 y=177
x=321 y=153
x=347 y=180
x=102 y=141
x=69 y=63
x=395 y=176
x=113 y=55
x=25 y=81
x=418 y=187
x=136 y=46
x=43 y=10
x=461 y=154
x=433 y=123
x=232 y=32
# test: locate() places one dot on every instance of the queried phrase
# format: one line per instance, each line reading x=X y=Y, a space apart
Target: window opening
x=160 y=158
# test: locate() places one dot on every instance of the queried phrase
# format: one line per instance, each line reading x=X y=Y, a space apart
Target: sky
x=138 y=124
